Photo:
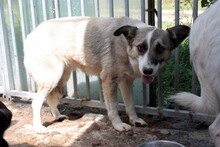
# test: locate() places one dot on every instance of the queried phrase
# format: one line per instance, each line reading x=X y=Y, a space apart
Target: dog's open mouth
x=147 y=79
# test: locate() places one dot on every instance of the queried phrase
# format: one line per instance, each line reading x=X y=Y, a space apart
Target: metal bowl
x=161 y=143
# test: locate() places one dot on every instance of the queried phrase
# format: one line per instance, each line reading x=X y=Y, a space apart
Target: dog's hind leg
x=109 y=87
x=47 y=79
x=36 y=106
x=214 y=131
x=56 y=94
x=126 y=87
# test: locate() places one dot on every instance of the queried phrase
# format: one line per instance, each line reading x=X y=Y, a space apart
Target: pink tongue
x=147 y=79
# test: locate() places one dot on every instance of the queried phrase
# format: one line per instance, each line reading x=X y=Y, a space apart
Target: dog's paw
x=122 y=127
x=40 y=129
x=61 y=118
x=37 y=128
x=139 y=122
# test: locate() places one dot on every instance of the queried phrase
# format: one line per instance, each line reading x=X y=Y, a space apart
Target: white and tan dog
x=205 y=57
x=118 y=50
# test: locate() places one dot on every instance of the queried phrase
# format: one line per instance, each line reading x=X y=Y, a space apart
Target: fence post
x=160 y=77
x=151 y=7
x=14 y=56
x=194 y=77
x=151 y=21
x=82 y=3
x=97 y=10
x=111 y=8
x=126 y=8
x=176 y=82
x=8 y=82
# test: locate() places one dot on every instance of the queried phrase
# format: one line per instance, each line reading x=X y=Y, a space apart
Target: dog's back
x=84 y=44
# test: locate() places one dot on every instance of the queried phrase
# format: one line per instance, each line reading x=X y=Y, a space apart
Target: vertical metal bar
x=82 y=7
x=101 y=92
x=44 y=9
x=195 y=9
x=33 y=14
x=7 y=65
x=23 y=32
x=97 y=14
x=143 y=85
x=14 y=47
x=69 y=8
x=1 y=74
x=56 y=5
x=160 y=89
x=176 y=81
x=97 y=10
x=143 y=10
x=75 y=87
x=32 y=83
x=151 y=21
x=144 y=95
x=159 y=13
x=88 y=95
x=195 y=15
x=151 y=18
x=111 y=8
x=177 y=12
x=160 y=78
x=22 y=20
x=127 y=8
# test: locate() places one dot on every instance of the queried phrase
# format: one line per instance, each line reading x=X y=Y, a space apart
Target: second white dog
x=205 y=56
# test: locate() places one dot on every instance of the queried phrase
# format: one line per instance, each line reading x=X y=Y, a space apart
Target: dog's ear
x=128 y=31
x=177 y=34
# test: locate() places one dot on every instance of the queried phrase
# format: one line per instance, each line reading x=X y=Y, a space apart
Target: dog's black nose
x=148 y=71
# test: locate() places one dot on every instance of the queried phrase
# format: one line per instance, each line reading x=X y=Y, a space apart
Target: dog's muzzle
x=147 y=79
x=147 y=76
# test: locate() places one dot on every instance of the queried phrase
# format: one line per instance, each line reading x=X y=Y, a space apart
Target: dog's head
x=151 y=46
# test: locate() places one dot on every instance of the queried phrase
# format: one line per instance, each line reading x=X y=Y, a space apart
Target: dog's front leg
x=214 y=131
x=126 y=87
x=109 y=87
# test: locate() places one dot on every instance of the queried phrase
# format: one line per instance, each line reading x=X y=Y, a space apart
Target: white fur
x=144 y=61
x=140 y=25
x=205 y=56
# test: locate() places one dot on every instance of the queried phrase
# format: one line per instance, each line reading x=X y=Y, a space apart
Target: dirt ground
x=89 y=127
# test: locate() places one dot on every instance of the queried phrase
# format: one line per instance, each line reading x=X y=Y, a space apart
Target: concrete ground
x=87 y=127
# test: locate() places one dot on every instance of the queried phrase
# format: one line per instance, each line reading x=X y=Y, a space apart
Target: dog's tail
x=195 y=103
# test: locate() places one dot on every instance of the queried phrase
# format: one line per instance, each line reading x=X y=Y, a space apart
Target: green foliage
x=206 y=3
x=184 y=69
x=185 y=74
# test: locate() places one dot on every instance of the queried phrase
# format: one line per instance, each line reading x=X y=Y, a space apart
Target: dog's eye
x=141 y=48
x=160 y=49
